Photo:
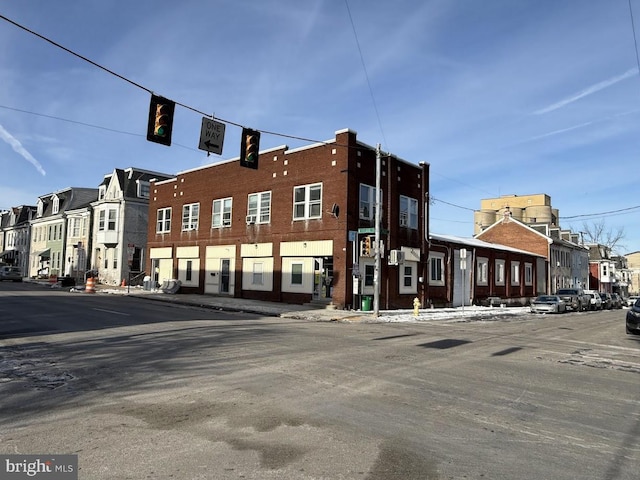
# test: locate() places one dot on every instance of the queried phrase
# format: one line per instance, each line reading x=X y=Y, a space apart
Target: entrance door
x=322 y=278
x=225 y=277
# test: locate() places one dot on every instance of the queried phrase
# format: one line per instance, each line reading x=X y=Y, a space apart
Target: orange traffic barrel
x=90 y=287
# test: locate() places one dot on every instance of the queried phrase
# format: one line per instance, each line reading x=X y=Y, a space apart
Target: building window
x=528 y=274
x=221 y=213
x=106 y=258
x=40 y=209
x=143 y=189
x=111 y=223
x=115 y=258
x=163 y=224
x=257 y=277
x=296 y=274
x=367 y=201
x=482 y=271
x=102 y=190
x=56 y=205
x=408 y=280
x=259 y=209
x=500 y=272
x=369 y=270
x=75 y=227
x=408 y=212
x=190 y=215
x=515 y=273
x=436 y=270
x=189 y=272
x=101 y=220
x=307 y=202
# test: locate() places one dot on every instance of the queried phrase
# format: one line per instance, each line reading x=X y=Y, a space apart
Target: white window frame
x=56 y=205
x=112 y=220
x=528 y=274
x=257 y=275
x=311 y=207
x=499 y=273
x=515 y=274
x=190 y=216
x=436 y=259
x=367 y=195
x=408 y=212
x=144 y=188
x=221 y=211
x=259 y=206
x=102 y=220
x=163 y=220
x=482 y=271
x=408 y=272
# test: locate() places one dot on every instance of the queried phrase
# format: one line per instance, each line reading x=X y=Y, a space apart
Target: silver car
x=548 y=304
x=11 y=273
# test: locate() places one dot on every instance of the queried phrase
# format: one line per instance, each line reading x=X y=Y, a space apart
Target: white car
x=595 y=302
x=548 y=304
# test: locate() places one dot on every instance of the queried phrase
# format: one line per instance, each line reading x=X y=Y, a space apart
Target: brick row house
x=290 y=231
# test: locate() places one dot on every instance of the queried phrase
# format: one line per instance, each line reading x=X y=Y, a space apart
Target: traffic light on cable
x=249 y=148
x=160 y=124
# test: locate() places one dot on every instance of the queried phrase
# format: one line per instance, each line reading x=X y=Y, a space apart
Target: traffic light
x=160 y=123
x=365 y=247
x=249 y=148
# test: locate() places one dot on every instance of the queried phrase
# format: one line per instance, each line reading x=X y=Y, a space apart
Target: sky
x=500 y=97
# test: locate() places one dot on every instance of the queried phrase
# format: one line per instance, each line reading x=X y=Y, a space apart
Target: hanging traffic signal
x=249 y=148
x=365 y=247
x=160 y=124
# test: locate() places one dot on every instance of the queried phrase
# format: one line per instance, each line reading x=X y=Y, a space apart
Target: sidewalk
x=274 y=309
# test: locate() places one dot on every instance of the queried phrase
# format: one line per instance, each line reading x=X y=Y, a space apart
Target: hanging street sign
x=211 y=136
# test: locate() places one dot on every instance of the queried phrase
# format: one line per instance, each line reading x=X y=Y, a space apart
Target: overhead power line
x=142 y=87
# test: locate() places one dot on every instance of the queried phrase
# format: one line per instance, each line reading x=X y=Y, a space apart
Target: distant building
x=533 y=210
x=14 y=236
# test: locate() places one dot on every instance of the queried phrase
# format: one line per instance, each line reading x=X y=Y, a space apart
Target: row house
x=291 y=231
x=633 y=268
x=609 y=273
x=50 y=251
x=567 y=261
x=466 y=271
x=120 y=219
x=15 y=234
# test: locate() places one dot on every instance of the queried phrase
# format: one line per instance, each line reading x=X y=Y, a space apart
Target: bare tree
x=598 y=232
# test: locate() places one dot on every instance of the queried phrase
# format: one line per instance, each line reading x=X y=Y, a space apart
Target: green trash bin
x=366 y=303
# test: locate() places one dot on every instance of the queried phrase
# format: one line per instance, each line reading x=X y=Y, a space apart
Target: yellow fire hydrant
x=416 y=306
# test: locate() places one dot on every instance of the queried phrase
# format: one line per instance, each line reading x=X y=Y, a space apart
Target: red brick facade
x=282 y=258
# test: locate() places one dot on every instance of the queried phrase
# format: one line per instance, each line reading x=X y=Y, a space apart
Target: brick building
x=290 y=231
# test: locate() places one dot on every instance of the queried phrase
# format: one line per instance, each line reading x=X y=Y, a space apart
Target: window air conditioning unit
x=396 y=257
x=251 y=219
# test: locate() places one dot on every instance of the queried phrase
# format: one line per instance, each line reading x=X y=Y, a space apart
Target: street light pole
x=378 y=216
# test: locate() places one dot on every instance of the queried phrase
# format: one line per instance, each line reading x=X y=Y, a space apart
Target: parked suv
x=11 y=273
x=594 y=300
x=574 y=298
x=607 y=301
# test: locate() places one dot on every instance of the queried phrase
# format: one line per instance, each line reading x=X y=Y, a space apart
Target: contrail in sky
x=588 y=91
x=18 y=148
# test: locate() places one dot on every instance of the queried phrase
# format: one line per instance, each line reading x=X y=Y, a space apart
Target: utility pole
x=376 y=270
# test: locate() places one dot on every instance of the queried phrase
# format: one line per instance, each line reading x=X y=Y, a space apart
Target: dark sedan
x=633 y=319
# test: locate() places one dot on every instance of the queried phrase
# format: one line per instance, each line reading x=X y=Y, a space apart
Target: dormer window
x=143 y=189
x=40 y=208
x=102 y=190
x=56 y=205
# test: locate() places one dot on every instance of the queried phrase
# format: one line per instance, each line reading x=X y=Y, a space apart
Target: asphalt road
x=139 y=389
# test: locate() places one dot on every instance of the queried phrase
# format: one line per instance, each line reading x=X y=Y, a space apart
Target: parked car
x=606 y=300
x=616 y=301
x=548 y=304
x=594 y=300
x=11 y=273
x=574 y=298
x=631 y=300
x=633 y=319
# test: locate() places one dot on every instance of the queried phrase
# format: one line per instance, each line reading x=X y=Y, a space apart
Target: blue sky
x=499 y=96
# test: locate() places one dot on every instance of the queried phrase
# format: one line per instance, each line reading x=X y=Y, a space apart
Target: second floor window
x=101 y=219
x=259 y=209
x=164 y=220
x=190 y=215
x=221 y=213
x=111 y=224
x=367 y=201
x=307 y=202
x=408 y=212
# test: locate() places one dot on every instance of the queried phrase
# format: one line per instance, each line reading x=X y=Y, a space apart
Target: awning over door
x=45 y=253
x=6 y=253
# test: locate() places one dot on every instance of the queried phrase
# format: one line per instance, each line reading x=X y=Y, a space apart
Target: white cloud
x=18 y=148
x=588 y=91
